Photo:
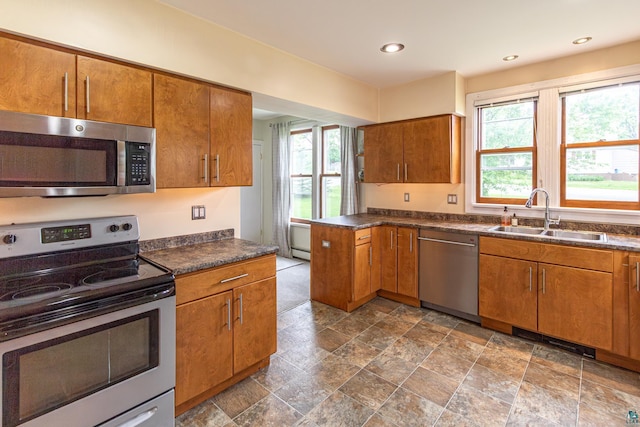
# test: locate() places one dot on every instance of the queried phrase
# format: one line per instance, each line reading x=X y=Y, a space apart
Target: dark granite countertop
x=191 y=257
x=624 y=242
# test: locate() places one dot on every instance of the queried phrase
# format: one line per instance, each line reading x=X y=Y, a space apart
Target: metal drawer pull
x=368 y=236
x=66 y=91
x=428 y=239
x=228 y=314
x=544 y=281
x=140 y=418
x=530 y=278
x=231 y=279
x=241 y=319
x=205 y=168
x=638 y=276
x=88 y=107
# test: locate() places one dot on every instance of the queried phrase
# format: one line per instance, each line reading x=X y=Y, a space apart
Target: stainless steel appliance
x=87 y=327
x=448 y=273
x=55 y=156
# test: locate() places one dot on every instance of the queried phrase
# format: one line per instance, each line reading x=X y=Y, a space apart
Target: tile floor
x=387 y=364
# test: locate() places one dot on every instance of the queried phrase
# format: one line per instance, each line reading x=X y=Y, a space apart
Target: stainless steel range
x=87 y=326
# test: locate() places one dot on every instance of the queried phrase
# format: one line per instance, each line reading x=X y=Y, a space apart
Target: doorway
x=251 y=199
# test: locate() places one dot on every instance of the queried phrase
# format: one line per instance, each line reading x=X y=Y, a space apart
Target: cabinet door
x=204 y=345
x=37 y=80
x=408 y=262
x=331 y=265
x=576 y=305
x=383 y=153
x=388 y=258
x=255 y=323
x=231 y=144
x=634 y=306
x=181 y=119
x=507 y=291
x=110 y=92
x=362 y=271
x=431 y=150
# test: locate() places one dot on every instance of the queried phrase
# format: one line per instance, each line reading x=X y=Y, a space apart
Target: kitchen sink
x=558 y=234
x=576 y=235
x=518 y=230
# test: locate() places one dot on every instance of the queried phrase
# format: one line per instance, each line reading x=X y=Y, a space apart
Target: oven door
x=88 y=372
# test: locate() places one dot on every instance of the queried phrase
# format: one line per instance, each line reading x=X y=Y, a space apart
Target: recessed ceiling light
x=392 y=47
x=582 y=40
x=510 y=58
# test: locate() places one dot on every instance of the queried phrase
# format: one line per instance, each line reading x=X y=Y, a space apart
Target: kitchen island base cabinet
x=341 y=266
x=225 y=327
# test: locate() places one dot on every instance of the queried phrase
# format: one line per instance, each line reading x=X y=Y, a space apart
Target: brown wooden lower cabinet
x=521 y=284
x=225 y=327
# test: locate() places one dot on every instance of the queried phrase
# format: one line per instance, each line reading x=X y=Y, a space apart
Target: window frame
x=533 y=149
x=588 y=204
x=548 y=139
x=292 y=176
x=323 y=174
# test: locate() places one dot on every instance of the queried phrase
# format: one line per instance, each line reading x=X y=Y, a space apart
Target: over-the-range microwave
x=55 y=156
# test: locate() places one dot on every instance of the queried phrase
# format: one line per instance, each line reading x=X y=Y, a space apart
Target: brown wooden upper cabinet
x=425 y=150
x=181 y=119
x=231 y=137
x=40 y=80
x=203 y=134
x=110 y=92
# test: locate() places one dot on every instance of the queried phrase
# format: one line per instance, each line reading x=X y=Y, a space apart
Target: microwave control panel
x=138 y=163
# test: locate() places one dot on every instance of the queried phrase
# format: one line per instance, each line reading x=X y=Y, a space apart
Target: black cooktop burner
x=37 y=292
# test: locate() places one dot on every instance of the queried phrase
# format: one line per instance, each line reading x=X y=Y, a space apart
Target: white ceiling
x=467 y=36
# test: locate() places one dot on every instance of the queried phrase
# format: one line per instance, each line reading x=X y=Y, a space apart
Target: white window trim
x=548 y=162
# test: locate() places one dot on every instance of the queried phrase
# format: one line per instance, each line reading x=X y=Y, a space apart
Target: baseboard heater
x=565 y=345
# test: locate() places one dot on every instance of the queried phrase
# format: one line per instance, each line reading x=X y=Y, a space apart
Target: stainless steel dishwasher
x=448 y=273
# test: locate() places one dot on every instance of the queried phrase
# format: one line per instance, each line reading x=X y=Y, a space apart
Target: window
x=330 y=175
x=315 y=173
x=506 y=155
x=301 y=174
x=599 y=151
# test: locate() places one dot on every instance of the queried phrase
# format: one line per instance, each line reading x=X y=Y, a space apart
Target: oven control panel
x=34 y=238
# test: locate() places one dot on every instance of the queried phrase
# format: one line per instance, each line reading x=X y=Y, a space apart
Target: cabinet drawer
x=362 y=236
x=587 y=258
x=193 y=286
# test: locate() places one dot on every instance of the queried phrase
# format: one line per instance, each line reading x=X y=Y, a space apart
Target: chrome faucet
x=547 y=219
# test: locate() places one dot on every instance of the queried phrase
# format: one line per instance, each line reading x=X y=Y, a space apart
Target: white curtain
x=349 y=189
x=280 y=134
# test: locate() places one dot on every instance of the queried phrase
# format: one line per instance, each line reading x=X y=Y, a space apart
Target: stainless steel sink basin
x=558 y=234
x=518 y=230
x=576 y=235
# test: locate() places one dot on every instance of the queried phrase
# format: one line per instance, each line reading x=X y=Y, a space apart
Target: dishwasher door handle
x=449 y=242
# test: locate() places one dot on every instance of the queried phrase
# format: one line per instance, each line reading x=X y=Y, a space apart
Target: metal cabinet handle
x=370 y=256
x=66 y=91
x=88 y=96
x=638 y=276
x=530 y=278
x=398 y=172
x=405 y=173
x=544 y=281
x=228 y=314
x=230 y=279
x=241 y=318
x=364 y=237
x=411 y=242
x=205 y=168
x=391 y=238
x=217 y=167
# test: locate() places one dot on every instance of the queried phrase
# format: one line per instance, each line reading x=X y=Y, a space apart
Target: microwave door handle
x=122 y=163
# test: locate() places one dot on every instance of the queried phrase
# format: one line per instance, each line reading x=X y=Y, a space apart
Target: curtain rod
x=293 y=122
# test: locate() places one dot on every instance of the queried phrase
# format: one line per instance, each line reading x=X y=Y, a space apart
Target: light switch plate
x=198 y=212
x=406 y=197
x=452 y=199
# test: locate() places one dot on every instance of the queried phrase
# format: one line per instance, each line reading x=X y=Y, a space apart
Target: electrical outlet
x=406 y=197
x=452 y=199
x=198 y=212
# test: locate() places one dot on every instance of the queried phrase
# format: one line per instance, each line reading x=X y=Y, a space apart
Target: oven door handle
x=140 y=418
